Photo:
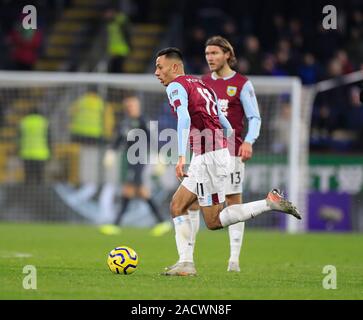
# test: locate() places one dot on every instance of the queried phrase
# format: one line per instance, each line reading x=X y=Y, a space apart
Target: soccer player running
x=201 y=119
x=237 y=100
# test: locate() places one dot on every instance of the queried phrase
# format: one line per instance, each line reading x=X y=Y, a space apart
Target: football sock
x=235 y=239
x=195 y=223
x=124 y=204
x=242 y=212
x=183 y=234
x=155 y=210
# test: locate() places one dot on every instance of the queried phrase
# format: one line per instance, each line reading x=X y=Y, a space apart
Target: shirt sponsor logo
x=231 y=91
x=194 y=80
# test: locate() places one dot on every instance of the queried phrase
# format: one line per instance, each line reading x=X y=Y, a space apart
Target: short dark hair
x=170 y=52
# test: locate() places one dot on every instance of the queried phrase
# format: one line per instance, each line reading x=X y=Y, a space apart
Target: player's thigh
x=143 y=192
x=211 y=178
x=211 y=216
x=233 y=199
x=133 y=174
x=128 y=190
x=181 y=201
x=194 y=206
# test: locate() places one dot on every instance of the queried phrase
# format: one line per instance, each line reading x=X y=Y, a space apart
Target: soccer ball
x=122 y=260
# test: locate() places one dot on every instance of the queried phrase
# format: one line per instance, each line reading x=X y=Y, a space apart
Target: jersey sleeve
x=178 y=99
x=177 y=95
x=250 y=106
x=224 y=122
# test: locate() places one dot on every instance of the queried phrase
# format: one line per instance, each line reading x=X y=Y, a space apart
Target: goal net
x=73 y=185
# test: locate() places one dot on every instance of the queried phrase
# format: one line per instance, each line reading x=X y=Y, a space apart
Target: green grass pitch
x=70 y=261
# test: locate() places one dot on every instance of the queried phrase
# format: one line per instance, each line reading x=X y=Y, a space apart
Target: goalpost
x=280 y=156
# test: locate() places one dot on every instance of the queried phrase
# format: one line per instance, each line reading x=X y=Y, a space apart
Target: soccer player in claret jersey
x=237 y=100
x=201 y=119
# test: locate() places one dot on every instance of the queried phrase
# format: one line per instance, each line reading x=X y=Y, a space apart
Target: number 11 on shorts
x=200 y=190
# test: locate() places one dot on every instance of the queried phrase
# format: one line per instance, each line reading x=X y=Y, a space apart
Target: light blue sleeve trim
x=175 y=92
x=250 y=106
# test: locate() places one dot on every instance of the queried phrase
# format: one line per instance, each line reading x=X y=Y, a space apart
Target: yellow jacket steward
x=34 y=138
x=87 y=116
x=117 y=44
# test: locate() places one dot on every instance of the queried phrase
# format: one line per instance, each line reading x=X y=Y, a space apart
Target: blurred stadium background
x=306 y=79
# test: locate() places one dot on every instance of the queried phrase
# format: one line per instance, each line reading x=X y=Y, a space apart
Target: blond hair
x=225 y=45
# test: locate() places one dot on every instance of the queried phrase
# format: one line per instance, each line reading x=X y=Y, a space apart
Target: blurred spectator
x=322 y=126
x=195 y=48
x=356 y=19
x=210 y=17
x=334 y=68
x=243 y=66
x=281 y=126
x=277 y=30
x=252 y=54
x=87 y=117
x=354 y=46
x=342 y=57
x=355 y=117
x=283 y=66
x=34 y=146
x=87 y=129
x=268 y=64
x=24 y=46
x=296 y=35
x=230 y=31
x=118 y=39
x=326 y=43
x=309 y=71
x=329 y=125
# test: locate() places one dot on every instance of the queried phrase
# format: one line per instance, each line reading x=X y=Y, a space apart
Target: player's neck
x=180 y=74
x=224 y=72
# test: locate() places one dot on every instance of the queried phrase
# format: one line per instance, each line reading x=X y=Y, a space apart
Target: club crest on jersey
x=231 y=91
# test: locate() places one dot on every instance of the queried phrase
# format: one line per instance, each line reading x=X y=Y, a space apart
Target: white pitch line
x=15 y=255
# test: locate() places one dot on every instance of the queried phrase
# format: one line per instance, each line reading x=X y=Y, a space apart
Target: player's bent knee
x=176 y=209
x=213 y=224
x=194 y=206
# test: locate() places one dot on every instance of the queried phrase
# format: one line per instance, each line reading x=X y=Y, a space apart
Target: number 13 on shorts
x=237 y=171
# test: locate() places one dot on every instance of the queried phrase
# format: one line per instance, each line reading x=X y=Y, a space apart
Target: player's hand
x=109 y=158
x=245 y=151
x=179 y=168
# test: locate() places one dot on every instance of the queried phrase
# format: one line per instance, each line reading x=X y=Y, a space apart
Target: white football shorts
x=207 y=176
x=234 y=182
